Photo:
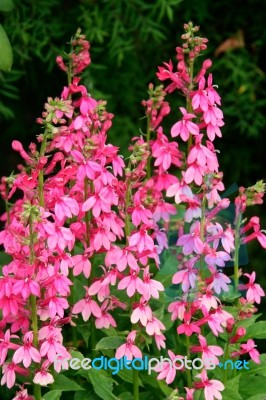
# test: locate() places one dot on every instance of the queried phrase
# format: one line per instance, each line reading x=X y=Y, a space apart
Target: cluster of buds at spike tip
x=193 y=45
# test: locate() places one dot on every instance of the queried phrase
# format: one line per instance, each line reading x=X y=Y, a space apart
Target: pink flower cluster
x=79 y=201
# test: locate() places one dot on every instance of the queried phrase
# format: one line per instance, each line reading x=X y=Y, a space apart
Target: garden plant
x=130 y=259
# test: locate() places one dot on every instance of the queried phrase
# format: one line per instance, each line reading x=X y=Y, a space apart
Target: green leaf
x=252 y=385
x=52 y=395
x=6 y=5
x=126 y=396
x=231 y=394
x=111 y=342
x=65 y=384
x=127 y=376
x=102 y=384
x=85 y=332
x=256 y=331
x=6 y=53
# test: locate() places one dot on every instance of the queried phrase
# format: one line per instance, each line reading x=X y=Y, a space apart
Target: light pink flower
x=129 y=349
x=212 y=388
x=27 y=352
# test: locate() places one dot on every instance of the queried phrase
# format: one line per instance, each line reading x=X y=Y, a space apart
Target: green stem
x=41 y=174
x=127 y=203
x=202 y=232
x=135 y=384
x=236 y=255
x=87 y=214
x=189 y=102
x=33 y=303
x=225 y=358
x=74 y=329
x=188 y=373
x=148 y=143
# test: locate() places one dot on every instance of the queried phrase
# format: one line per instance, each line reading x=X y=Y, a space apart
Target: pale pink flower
x=105 y=320
x=154 y=326
x=254 y=290
x=9 y=374
x=212 y=388
x=192 y=242
x=141 y=239
x=27 y=352
x=150 y=287
x=87 y=307
x=129 y=349
x=51 y=348
x=43 y=377
x=142 y=312
x=132 y=283
x=166 y=370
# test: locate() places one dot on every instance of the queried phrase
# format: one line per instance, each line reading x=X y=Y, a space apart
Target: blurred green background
x=129 y=39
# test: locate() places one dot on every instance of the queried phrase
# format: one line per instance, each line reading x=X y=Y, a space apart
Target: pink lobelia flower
x=27 y=352
x=188 y=327
x=250 y=347
x=208 y=352
x=129 y=349
x=185 y=127
x=166 y=369
x=105 y=320
x=132 y=283
x=142 y=312
x=87 y=307
x=9 y=374
x=254 y=290
x=43 y=377
x=212 y=388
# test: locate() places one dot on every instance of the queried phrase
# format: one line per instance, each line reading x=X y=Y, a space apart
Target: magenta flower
x=188 y=327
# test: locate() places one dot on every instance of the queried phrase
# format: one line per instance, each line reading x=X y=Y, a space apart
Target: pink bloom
x=81 y=263
x=177 y=308
x=254 y=290
x=9 y=374
x=26 y=287
x=27 y=352
x=66 y=207
x=219 y=280
x=150 y=287
x=142 y=240
x=133 y=283
x=208 y=352
x=250 y=347
x=43 y=377
x=200 y=97
x=191 y=242
x=129 y=349
x=142 y=312
x=105 y=320
x=51 y=348
x=212 y=388
x=188 y=327
x=185 y=127
x=5 y=344
x=87 y=307
x=167 y=371
x=154 y=326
